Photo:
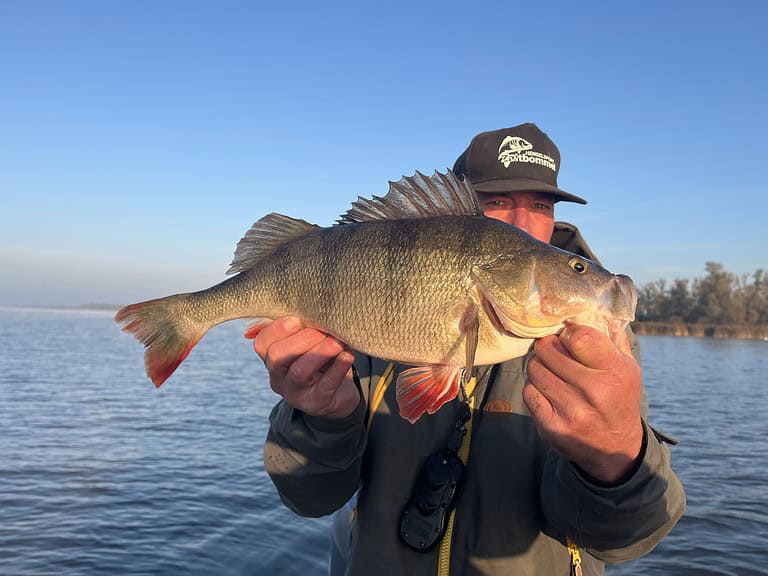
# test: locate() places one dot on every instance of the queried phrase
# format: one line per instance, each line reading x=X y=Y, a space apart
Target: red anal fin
x=426 y=389
x=253 y=329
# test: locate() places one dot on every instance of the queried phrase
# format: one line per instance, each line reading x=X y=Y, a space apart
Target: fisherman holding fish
x=562 y=471
x=455 y=363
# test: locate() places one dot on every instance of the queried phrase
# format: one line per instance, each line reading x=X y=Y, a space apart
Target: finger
x=589 y=346
x=277 y=330
x=559 y=393
x=336 y=385
x=330 y=391
x=282 y=354
x=340 y=368
x=538 y=405
x=304 y=368
x=557 y=417
x=553 y=355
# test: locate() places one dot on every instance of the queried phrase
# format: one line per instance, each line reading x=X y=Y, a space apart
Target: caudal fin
x=167 y=334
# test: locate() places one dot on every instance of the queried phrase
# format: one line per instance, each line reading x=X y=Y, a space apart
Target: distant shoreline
x=81 y=307
x=716 y=331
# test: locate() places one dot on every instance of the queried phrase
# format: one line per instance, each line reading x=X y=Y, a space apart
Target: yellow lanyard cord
x=444 y=557
x=378 y=395
x=573 y=551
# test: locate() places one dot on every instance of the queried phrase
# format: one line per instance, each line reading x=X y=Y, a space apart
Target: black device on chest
x=424 y=519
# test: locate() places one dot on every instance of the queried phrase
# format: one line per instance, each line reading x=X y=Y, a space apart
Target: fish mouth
x=617 y=302
x=618 y=299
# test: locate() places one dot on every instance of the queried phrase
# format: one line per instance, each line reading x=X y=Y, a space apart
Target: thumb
x=590 y=347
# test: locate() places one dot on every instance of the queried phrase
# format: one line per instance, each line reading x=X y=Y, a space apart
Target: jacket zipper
x=444 y=555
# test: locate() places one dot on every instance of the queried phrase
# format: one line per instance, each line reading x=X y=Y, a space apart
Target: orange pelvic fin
x=167 y=336
x=426 y=389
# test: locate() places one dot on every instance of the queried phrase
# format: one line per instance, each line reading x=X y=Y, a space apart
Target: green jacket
x=520 y=498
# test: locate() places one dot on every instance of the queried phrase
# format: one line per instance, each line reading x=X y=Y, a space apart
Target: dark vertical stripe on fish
x=330 y=285
x=404 y=237
x=282 y=292
x=469 y=238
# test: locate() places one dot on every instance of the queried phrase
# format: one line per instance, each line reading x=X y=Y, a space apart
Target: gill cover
x=511 y=295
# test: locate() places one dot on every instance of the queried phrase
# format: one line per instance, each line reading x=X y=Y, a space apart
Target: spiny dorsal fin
x=417 y=196
x=264 y=237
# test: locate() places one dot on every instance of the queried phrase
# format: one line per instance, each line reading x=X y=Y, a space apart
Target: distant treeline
x=719 y=298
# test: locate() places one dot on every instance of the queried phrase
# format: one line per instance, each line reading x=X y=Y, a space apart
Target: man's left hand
x=584 y=391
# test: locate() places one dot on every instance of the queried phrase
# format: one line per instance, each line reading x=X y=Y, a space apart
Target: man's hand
x=311 y=370
x=584 y=394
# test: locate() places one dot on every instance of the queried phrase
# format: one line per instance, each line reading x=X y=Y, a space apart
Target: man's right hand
x=311 y=370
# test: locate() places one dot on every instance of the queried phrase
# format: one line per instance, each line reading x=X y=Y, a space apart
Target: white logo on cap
x=517 y=149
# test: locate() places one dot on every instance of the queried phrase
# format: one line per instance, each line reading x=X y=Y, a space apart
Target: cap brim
x=526 y=185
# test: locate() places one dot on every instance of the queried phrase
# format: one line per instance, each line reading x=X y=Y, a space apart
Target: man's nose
x=518 y=217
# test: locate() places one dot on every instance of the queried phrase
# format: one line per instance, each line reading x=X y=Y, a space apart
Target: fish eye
x=578 y=265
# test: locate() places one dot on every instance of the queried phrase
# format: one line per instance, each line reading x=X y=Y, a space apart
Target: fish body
x=420 y=277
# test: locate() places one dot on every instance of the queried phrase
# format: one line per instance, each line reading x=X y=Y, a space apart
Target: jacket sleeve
x=616 y=523
x=315 y=462
x=621 y=522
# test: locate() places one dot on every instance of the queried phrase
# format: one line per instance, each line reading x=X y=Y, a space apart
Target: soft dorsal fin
x=264 y=237
x=417 y=196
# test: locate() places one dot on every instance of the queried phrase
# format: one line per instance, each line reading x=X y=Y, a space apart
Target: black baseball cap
x=521 y=158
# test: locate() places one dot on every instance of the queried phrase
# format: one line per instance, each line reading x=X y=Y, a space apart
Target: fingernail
x=347 y=356
x=291 y=323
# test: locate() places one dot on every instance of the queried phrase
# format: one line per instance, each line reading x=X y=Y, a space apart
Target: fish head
x=534 y=292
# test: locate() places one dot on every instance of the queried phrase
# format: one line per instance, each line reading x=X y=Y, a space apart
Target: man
x=559 y=452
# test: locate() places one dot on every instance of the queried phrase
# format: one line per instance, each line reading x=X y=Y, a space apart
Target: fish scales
x=388 y=274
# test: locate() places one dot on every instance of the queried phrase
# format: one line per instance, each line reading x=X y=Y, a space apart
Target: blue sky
x=140 y=139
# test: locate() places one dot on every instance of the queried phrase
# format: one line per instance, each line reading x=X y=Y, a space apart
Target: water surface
x=103 y=474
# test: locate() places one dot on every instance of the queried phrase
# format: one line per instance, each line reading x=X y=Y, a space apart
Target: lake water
x=102 y=474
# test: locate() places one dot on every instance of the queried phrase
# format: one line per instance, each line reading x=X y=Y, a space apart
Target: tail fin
x=164 y=330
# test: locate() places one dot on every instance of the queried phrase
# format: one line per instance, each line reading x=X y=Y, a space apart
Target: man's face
x=533 y=212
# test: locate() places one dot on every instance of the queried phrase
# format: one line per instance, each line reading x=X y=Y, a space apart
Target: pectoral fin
x=470 y=325
x=426 y=389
